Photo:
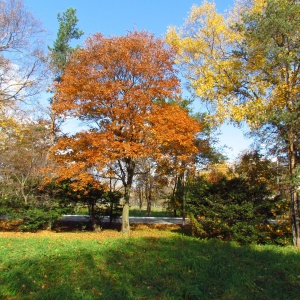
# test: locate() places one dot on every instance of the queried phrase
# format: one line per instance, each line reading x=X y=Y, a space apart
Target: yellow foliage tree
x=24 y=146
x=247 y=66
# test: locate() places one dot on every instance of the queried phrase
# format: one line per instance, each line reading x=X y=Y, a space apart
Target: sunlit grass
x=157 y=211
x=151 y=264
x=135 y=211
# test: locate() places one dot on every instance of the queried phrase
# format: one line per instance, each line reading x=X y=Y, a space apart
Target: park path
x=132 y=220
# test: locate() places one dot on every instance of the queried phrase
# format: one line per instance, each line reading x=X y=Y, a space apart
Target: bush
x=39 y=218
x=232 y=209
x=32 y=216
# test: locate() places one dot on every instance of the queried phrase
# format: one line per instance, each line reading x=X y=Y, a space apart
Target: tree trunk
x=140 y=191
x=294 y=197
x=148 y=207
x=111 y=213
x=49 y=225
x=127 y=183
x=183 y=195
x=125 y=212
x=125 y=219
x=183 y=205
x=148 y=192
x=93 y=218
x=52 y=124
x=294 y=210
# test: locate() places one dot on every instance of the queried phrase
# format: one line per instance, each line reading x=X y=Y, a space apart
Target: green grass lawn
x=136 y=212
x=155 y=212
x=160 y=265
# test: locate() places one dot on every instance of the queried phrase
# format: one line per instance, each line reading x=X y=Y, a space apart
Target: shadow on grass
x=152 y=268
x=71 y=226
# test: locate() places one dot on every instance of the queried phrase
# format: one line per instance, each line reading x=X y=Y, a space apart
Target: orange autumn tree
x=116 y=85
x=179 y=148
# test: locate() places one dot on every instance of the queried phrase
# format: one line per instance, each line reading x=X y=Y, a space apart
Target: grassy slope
x=151 y=264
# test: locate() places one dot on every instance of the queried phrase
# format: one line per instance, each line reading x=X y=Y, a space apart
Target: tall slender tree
x=61 y=51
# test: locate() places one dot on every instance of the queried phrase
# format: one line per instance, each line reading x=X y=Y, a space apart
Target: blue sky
x=116 y=17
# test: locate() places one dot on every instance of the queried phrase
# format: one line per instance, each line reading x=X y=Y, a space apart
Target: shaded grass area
x=158 y=266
